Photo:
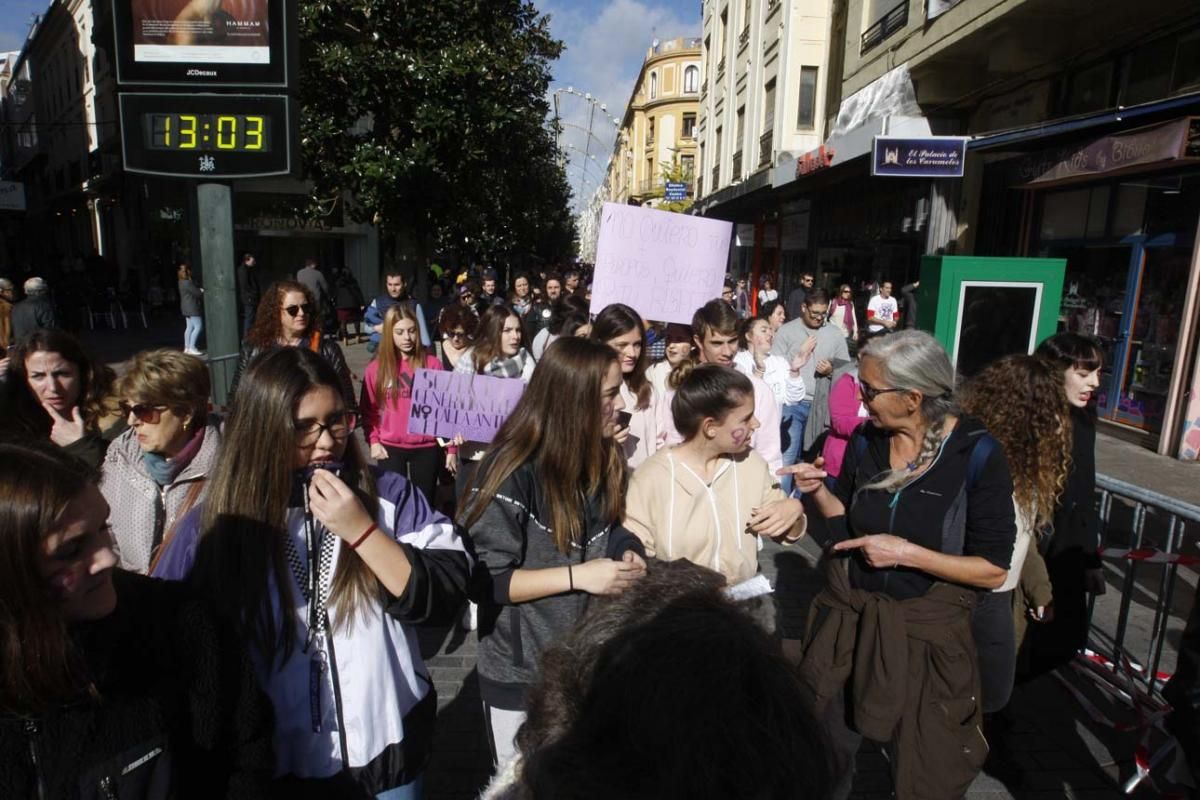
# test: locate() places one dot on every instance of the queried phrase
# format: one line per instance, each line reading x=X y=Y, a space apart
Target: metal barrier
x=220 y=371
x=1137 y=551
x=1118 y=673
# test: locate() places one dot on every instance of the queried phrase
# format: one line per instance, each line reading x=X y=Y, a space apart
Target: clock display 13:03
x=245 y=133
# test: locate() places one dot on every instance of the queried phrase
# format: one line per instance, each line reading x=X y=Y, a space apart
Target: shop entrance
x=1129 y=296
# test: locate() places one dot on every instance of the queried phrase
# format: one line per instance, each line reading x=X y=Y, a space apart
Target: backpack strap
x=979 y=458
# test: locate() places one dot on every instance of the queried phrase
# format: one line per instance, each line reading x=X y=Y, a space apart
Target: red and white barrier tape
x=1149 y=555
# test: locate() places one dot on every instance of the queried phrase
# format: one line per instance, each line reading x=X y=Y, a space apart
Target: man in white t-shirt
x=883 y=312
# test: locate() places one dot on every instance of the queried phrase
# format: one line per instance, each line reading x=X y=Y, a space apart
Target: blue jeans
x=791 y=436
x=409 y=791
x=191 y=333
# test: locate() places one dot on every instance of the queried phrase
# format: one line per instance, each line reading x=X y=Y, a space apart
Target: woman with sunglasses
x=457 y=324
x=323 y=567
x=841 y=313
x=55 y=391
x=288 y=316
x=112 y=684
x=156 y=471
x=922 y=522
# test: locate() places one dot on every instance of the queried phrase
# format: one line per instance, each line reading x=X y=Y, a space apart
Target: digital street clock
x=208 y=135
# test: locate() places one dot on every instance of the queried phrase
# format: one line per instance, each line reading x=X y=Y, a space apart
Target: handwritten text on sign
x=664 y=265
x=448 y=403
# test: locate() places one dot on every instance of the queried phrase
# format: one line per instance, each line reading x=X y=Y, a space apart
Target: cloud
x=606 y=42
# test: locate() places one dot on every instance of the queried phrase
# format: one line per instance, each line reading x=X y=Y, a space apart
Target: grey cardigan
x=191 y=298
x=142 y=512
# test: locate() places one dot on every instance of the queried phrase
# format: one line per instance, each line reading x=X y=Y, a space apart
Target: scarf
x=507 y=367
x=848 y=314
x=163 y=470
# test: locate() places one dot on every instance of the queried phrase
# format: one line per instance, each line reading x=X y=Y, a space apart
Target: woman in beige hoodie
x=709 y=499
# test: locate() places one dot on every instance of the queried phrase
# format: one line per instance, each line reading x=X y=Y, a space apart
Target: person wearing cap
x=679 y=348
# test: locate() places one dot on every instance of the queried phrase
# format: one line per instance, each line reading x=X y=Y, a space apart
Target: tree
x=429 y=116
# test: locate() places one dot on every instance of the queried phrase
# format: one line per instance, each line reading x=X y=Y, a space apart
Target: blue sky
x=606 y=41
x=15 y=19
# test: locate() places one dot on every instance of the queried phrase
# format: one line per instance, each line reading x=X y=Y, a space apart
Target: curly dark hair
x=1020 y=399
x=267 y=329
x=455 y=314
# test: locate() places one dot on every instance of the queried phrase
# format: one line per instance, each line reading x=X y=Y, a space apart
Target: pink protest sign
x=664 y=265
x=448 y=403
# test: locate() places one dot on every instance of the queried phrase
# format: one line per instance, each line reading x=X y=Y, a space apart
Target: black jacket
x=179 y=713
x=31 y=314
x=1076 y=523
x=327 y=347
x=247 y=285
x=937 y=510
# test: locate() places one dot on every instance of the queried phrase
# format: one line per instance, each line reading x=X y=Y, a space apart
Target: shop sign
x=1168 y=141
x=12 y=196
x=815 y=160
x=926 y=157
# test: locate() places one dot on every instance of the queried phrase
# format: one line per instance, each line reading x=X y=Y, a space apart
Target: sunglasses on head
x=143 y=412
x=292 y=311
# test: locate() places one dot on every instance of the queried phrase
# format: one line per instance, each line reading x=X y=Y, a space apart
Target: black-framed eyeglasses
x=339 y=424
x=292 y=311
x=456 y=334
x=143 y=412
x=869 y=392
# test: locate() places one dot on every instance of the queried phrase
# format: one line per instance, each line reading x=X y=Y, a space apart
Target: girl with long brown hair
x=111 y=684
x=387 y=399
x=544 y=512
x=323 y=566
x=289 y=316
x=499 y=349
x=622 y=329
x=1020 y=401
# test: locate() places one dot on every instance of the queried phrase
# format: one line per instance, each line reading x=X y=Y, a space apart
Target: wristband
x=354 y=545
x=571 y=577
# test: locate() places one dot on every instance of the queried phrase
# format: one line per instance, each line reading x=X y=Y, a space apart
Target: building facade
x=763 y=100
x=1084 y=147
x=657 y=136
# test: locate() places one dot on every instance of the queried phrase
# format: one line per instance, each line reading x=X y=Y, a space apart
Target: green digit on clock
x=254 y=133
x=187 y=132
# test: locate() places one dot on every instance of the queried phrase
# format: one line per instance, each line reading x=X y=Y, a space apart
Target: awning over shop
x=1147 y=148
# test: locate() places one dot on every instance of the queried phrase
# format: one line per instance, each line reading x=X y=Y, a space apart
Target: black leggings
x=419 y=464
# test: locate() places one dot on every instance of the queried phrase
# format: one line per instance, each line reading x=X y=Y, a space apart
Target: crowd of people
x=202 y=604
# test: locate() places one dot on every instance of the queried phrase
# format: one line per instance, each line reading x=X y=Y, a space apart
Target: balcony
x=699 y=187
x=744 y=37
x=649 y=186
x=771 y=6
x=892 y=21
x=737 y=167
x=765 y=143
x=721 y=67
x=716 y=178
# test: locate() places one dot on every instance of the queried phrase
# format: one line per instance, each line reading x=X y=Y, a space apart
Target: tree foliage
x=430 y=116
x=673 y=172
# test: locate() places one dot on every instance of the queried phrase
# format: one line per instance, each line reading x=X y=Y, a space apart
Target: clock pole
x=213 y=212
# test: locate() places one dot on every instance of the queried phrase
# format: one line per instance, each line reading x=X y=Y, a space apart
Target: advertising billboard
x=202 y=42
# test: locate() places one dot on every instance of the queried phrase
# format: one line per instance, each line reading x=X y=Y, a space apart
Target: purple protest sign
x=449 y=403
x=664 y=265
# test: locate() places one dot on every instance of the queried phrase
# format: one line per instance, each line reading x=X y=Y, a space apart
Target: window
x=1187 y=64
x=769 y=106
x=806 y=116
x=740 y=130
x=1147 y=74
x=653 y=85
x=650 y=130
x=687 y=165
x=689 y=126
x=691 y=79
x=722 y=29
x=1091 y=88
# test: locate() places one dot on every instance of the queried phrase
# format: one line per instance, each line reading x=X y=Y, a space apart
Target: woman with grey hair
x=921 y=521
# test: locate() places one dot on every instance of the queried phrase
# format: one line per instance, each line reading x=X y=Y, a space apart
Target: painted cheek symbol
x=739 y=436
x=64 y=582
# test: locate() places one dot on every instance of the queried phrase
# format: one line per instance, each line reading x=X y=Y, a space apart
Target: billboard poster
x=200 y=31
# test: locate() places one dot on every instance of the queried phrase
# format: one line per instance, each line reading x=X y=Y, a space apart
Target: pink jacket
x=846 y=413
x=388 y=424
